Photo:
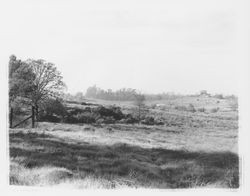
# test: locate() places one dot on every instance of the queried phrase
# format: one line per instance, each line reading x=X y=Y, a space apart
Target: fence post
x=33 y=117
x=37 y=118
x=11 y=116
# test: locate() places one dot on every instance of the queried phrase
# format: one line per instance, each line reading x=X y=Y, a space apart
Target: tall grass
x=43 y=160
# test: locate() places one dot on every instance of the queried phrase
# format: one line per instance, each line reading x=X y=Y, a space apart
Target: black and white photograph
x=125 y=95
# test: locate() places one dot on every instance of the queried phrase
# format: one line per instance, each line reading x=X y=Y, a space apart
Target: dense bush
x=52 y=110
x=54 y=106
x=98 y=114
x=77 y=115
x=112 y=111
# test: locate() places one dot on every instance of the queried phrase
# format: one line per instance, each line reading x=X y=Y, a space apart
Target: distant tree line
x=124 y=94
x=130 y=94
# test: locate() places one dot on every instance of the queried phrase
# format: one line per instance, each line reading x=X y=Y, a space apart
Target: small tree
x=20 y=84
x=139 y=102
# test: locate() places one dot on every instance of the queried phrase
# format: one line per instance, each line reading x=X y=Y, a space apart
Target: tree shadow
x=170 y=168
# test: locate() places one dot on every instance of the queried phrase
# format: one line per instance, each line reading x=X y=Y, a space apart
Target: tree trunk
x=36 y=108
x=11 y=117
x=33 y=117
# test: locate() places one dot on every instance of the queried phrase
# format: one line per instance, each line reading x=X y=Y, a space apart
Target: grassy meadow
x=192 y=149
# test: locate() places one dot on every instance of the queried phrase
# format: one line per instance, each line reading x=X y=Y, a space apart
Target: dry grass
x=58 y=176
x=58 y=157
x=191 y=150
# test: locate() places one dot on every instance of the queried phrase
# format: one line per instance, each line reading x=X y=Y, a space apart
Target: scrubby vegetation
x=100 y=145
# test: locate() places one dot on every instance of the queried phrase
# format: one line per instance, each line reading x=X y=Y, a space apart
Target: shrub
x=99 y=114
x=214 y=110
x=86 y=117
x=81 y=117
x=54 y=106
x=128 y=119
x=52 y=110
x=112 y=111
x=201 y=109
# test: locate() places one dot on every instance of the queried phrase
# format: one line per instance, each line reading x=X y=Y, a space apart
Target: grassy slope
x=194 y=149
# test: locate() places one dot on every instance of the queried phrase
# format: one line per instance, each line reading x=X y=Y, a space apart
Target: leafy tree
x=21 y=79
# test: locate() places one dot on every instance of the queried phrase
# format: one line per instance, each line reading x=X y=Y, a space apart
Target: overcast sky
x=182 y=46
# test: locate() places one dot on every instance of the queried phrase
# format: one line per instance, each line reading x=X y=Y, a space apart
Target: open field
x=191 y=149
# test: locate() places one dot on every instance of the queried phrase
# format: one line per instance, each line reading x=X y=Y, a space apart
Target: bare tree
x=139 y=102
x=47 y=83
